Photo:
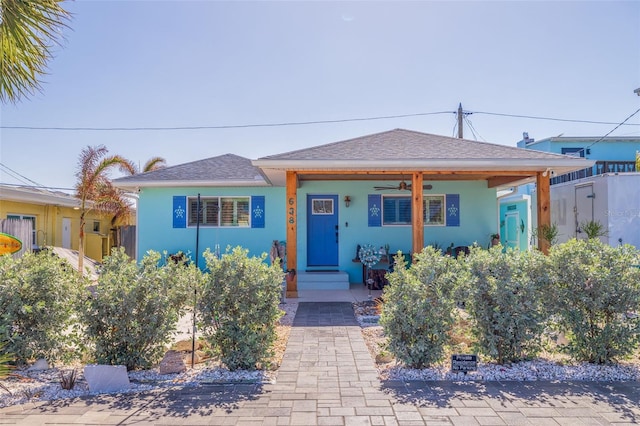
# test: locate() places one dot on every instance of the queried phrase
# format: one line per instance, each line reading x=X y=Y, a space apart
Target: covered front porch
x=400 y=189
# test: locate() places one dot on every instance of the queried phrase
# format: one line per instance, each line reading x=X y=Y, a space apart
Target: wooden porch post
x=292 y=232
x=417 y=219
x=544 y=210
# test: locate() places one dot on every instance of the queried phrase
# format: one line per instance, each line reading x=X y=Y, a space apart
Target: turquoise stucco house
x=399 y=189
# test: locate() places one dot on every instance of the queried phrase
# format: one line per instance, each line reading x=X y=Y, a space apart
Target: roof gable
x=227 y=170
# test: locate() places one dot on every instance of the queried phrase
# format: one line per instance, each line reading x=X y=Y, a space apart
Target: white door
x=511 y=227
x=584 y=208
x=66 y=232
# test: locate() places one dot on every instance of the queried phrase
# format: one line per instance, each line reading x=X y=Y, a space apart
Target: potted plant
x=495 y=239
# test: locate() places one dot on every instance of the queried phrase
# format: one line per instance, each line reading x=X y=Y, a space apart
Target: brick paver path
x=328 y=378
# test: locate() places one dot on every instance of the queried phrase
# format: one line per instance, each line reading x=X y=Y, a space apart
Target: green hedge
x=135 y=309
x=39 y=295
x=418 y=312
x=587 y=290
x=238 y=308
x=596 y=289
x=506 y=302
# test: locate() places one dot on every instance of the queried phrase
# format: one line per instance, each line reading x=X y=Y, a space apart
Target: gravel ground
x=30 y=386
x=555 y=368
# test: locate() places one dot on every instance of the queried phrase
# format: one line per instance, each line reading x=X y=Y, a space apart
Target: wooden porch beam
x=417 y=220
x=543 y=208
x=406 y=173
x=492 y=182
x=291 y=206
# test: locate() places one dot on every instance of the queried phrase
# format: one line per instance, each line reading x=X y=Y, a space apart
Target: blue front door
x=322 y=230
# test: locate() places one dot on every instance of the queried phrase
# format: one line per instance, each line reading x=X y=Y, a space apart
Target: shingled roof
x=400 y=151
x=408 y=145
x=395 y=150
x=223 y=170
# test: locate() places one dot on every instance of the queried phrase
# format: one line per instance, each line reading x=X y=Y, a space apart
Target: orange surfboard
x=9 y=244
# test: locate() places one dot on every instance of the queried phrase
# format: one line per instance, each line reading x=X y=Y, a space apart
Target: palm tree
x=94 y=189
x=28 y=31
x=121 y=208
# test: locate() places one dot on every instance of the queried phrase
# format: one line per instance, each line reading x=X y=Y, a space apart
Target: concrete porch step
x=323 y=281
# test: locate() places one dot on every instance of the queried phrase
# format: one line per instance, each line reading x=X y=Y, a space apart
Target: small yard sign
x=464 y=363
x=9 y=244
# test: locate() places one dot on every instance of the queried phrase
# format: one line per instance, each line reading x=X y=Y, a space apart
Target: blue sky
x=211 y=63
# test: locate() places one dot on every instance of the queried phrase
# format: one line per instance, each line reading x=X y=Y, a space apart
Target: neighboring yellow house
x=56 y=220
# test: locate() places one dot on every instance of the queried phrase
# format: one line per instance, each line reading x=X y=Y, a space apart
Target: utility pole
x=460 y=121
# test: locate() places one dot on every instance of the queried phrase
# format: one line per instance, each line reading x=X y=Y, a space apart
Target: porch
x=450 y=184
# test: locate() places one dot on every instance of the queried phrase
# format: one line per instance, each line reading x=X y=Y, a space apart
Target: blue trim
x=179 y=211
x=452 y=209
x=257 y=211
x=374 y=210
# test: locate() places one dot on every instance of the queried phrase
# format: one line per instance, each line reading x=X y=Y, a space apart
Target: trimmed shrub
x=238 y=308
x=134 y=311
x=38 y=298
x=418 y=313
x=595 y=287
x=505 y=302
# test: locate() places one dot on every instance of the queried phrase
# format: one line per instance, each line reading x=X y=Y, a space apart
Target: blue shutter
x=374 y=212
x=452 y=209
x=179 y=211
x=257 y=211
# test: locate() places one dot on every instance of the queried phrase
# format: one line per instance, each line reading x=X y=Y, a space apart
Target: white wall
x=623 y=210
x=616 y=205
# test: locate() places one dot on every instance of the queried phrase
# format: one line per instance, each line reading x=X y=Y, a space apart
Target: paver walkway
x=327 y=377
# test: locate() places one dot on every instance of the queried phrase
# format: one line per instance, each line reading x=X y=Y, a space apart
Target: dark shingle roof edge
x=223 y=170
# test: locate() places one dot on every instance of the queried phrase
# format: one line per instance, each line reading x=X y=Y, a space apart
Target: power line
x=614 y=129
x=238 y=126
x=18 y=176
x=622 y=123
x=303 y=123
x=474 y=131
x=17 y=185
x=532 y=117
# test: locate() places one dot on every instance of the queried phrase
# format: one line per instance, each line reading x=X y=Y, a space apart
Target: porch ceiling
x=495 y=179
x=492 y=179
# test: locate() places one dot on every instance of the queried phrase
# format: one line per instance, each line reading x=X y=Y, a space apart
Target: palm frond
x=88 y=161
x=93 y=169
x=155 y=163
x=28 y=31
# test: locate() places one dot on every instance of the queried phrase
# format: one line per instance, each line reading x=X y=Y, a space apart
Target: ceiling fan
x=402 y=186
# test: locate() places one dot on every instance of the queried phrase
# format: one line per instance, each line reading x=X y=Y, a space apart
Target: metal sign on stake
x=195 y=288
